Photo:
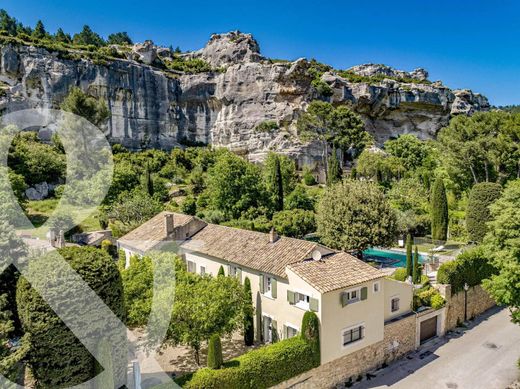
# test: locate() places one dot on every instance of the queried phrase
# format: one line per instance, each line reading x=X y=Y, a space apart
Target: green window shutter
x=239 y=275
x=344 y=299
x=364 y=293
x=274 y=331
x=285 y=332
x=314 y=304
x=261 y=287
x=291 y=297
x=262 y=331
x=274 y=291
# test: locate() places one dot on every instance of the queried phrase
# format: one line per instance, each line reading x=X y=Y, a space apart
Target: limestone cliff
x=154 y=107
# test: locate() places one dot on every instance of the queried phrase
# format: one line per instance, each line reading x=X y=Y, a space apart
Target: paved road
x=483 y=356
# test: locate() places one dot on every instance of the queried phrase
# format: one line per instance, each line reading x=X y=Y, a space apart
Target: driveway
x=484 y=356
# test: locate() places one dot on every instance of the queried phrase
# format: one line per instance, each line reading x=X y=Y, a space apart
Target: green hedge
x=261 y=368
x=482 y=195
x=470 y=267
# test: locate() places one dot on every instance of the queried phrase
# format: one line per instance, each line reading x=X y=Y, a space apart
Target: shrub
x=295 y=223
x=215 y=359
x=221 y=271
x=311 y=334
x=400 y=274
x=482 y=195
x=409 y=258
x=267 y=126
x=189 y=206
x=308 y=177
x=437 y=301
x=439 y=204
x=56 y=356
x=260 y=368
x=470 y=267
x=249 y=328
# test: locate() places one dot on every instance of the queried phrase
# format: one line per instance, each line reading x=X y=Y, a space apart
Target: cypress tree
x=409 y=258
x=416 y=267
x=148 y=183
x=333 y=169
x=215 y=359
x=439 y=205
x=249 y=329
x=482 y=195
x=278 y=180
x=311 y=334
x=221 y=271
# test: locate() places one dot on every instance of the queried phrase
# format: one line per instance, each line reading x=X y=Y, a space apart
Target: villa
x=352 y=299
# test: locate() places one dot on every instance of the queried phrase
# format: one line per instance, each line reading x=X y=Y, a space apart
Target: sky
x=466 y=44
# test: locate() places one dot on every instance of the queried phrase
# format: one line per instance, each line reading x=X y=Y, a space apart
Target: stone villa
x=352 y=299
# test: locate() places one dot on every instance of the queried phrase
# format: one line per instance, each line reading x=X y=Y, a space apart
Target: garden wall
x=399 y=339
x=479 y=301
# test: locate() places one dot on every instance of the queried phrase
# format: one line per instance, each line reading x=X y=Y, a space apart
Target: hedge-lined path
x=483 y=356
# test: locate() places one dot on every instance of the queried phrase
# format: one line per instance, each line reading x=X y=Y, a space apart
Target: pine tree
x=416 y=267
x=333 y=169
x=39 y=30
x=278 y=180
x=249 y=329
x=215 y=358
x=439 y=207
x=221 y=271
x=62 y=37
x=409 y=258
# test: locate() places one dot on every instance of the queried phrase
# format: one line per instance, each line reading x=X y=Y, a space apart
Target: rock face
x=370 y=70
x=229 y=49
x=152 y=107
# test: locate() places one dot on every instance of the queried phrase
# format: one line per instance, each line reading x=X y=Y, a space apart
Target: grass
x=39 y=212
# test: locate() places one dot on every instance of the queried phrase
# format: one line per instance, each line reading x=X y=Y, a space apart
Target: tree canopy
x=355 y=215
x=501 y=245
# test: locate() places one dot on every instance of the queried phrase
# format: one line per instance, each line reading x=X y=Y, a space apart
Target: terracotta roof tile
x=149 y=234
x=249 y=248
x=337 y=271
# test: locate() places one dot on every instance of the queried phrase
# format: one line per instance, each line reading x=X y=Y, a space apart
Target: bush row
x=261 y=368
x=470 y=267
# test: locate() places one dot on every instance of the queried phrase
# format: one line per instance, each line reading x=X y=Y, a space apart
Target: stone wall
x=479 y=301
x=399 y=339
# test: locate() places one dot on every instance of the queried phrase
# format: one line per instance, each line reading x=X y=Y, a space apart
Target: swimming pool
x=392 y=258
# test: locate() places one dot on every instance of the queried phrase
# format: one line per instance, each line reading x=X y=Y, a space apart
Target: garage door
x=428 y=329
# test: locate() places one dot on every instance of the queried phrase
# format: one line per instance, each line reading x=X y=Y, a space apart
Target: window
x=353 y=296
x=352 y=335
x=376 y=287
x=235 y=271
x=302 y=300
x=192 y=267
x=202 y=270
x=268 y=283
x=395 y=304
x=290 y=332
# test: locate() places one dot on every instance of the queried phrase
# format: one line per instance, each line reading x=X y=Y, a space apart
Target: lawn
x=39 y=211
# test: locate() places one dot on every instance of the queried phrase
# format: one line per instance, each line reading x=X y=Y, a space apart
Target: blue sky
x=467 y=44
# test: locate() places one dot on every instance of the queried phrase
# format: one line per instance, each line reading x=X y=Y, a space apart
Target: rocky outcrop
x=229 y=49
x=153 y=107
x=371 y=70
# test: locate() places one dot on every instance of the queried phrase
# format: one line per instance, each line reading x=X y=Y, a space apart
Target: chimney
x=168 y=224
x=60 y=240
x=52 y=237
x=273 y=236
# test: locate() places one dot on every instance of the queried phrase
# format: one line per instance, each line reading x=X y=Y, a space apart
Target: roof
x=250 y=248
x=149 y=234
x=337 y=271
